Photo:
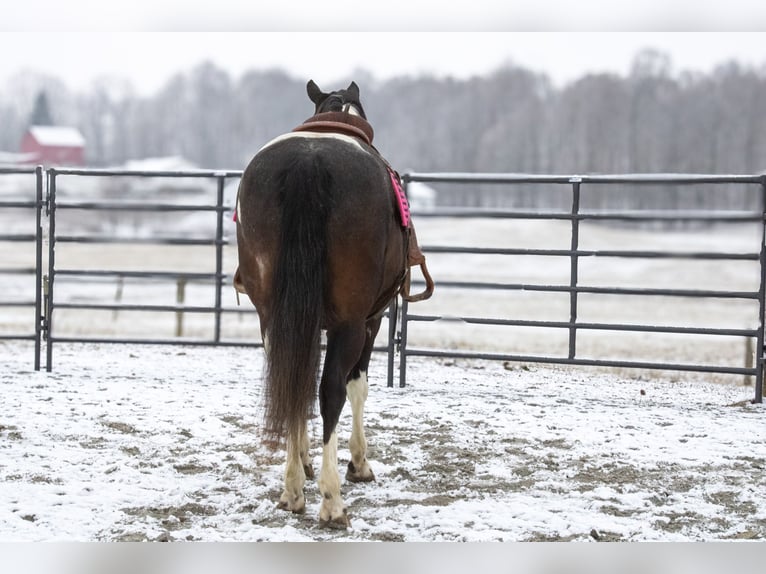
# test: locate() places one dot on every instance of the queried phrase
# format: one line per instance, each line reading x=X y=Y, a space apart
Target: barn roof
x=58 y=136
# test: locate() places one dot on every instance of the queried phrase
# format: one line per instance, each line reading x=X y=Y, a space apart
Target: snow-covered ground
x=159 y=443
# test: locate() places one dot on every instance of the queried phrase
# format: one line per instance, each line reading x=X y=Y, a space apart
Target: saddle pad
x=401 y=199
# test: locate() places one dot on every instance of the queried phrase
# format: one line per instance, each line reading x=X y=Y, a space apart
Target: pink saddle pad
x=401 y=199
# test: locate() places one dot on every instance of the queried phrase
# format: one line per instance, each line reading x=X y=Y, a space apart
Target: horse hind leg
x=358 y=468
x=344 y=346
x=292 y=498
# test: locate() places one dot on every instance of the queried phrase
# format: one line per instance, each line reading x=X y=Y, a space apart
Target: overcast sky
x=147 y=41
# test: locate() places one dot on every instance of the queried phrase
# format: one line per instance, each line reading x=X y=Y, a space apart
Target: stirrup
x=425 y=294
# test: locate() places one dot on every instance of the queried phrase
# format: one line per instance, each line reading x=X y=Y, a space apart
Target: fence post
x=218 y=258
x=759 y=348
x=393 y=311
x=574 y=261
x=51 y=205
x=39 y=318
x=118 y=295
x=401 y=339
x=180 y=299
x=749 y=352
x=403 y=347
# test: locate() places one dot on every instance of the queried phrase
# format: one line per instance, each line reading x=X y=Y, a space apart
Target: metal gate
x=573 y=288
x=213 y=277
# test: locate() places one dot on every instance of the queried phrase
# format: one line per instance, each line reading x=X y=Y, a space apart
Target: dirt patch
x=10 y=432
x=124 y=428
x=192 y=468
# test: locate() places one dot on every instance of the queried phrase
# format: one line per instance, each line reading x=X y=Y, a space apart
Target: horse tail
x=298 y=288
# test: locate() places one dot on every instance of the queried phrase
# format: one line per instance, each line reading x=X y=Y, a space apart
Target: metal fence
x=215 y=277
x=402 y=321
x=33 y=184
x=579 y=185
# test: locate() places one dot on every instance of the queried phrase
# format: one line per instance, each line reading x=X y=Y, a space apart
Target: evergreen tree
x=41 y=114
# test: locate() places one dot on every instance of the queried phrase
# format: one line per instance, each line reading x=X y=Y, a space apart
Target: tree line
x=511 y=120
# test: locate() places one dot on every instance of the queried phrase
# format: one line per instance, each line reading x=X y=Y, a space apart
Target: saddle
x=357 y=127
x=339 y=123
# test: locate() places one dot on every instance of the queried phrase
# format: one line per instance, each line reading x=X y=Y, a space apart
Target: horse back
x=330 y=191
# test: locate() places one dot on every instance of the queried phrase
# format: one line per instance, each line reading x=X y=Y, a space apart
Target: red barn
x=54 y=145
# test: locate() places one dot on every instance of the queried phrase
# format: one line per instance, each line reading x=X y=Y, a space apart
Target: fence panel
x=571 y=284
x=146 y=211
x=21 y=203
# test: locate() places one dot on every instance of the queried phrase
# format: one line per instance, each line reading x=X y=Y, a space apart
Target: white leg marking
x=308 y=469
x=359 y=470
x=332 y=511
x=292 y=496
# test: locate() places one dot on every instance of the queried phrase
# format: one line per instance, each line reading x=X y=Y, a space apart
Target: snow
x=14 y=159
x=422 y=197
x=161 y=443
x=165 y=163
x=58 y=136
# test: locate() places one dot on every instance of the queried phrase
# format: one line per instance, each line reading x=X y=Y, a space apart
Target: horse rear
x=320 y=248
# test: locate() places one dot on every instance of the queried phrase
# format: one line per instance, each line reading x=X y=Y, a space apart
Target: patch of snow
x=422 y=197
x=165 y=163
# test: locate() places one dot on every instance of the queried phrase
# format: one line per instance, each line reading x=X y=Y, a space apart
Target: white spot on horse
x=265 y=338
x=329 y=483
x=315 y=135
x=356 y=391
x=352 y=110
x=261 y=263
x=239 y=211
x=295 y=477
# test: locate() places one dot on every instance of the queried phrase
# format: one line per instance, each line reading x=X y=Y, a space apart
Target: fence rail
x=401 y=320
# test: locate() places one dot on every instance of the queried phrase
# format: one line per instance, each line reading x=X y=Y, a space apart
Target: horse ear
x=315 y=94
x=353 y=89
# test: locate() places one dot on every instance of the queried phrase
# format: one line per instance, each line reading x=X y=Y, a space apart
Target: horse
x=322 y=248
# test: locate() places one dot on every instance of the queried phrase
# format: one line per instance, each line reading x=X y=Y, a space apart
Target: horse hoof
x=338 y=523
x=353 y=475
x=308 y=470
x=295 y=508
